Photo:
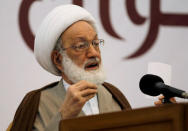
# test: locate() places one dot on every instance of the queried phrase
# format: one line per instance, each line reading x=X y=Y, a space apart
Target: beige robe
x=51 y=99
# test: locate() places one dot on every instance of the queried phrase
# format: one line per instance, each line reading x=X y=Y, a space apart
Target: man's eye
x=96 y=43
x=81 y=45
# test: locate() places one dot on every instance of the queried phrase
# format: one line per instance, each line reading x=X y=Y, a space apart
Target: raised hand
x=77 y=95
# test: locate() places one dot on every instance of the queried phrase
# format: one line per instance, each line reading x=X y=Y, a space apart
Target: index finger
x=85 y=85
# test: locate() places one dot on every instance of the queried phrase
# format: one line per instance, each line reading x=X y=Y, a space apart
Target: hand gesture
x=77 y=95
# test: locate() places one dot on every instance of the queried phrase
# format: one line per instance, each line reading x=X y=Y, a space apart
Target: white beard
x=76 y=74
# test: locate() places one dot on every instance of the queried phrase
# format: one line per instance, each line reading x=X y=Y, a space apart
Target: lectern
x=170 y=117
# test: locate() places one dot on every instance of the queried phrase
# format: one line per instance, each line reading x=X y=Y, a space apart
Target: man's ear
x=57 y=60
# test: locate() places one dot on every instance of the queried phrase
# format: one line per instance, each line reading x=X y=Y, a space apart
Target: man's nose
x=92 y=52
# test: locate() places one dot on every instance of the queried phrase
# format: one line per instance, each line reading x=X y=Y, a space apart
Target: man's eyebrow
x=79 y=39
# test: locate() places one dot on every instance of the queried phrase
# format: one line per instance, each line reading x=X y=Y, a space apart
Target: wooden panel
x=186 y=117
x=158 y=126
x=165 y=118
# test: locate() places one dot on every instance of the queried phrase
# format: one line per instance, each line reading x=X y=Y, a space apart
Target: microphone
x=154 y=85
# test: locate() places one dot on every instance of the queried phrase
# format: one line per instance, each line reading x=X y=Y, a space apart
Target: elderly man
x=67 y=44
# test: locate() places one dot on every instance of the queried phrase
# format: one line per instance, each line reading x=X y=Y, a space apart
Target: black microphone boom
x=153 y=85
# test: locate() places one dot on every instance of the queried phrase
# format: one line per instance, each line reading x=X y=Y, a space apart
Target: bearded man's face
x=87 y=60
x=76 y=34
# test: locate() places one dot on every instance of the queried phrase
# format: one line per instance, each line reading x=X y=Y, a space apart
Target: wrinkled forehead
x=78 y=31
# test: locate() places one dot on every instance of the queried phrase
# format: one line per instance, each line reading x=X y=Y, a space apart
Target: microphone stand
x=166 y=99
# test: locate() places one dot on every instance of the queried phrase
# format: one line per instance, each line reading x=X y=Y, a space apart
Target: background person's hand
x=160 y=99
x=77 y=95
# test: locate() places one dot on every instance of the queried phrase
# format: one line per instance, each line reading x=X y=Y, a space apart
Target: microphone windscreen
x=148 y=84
